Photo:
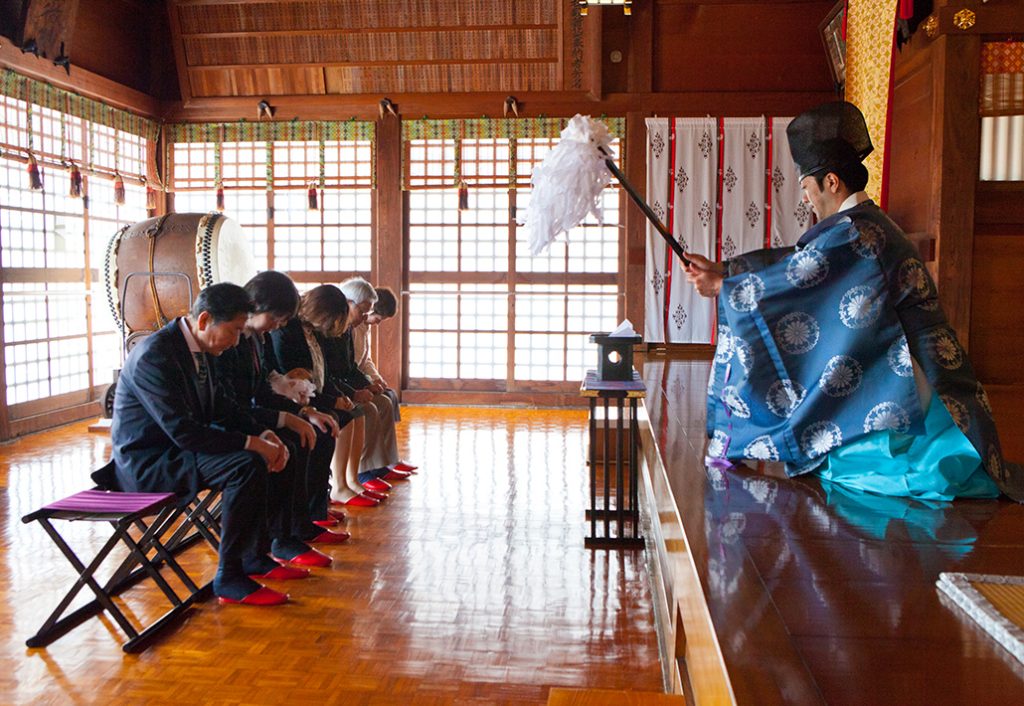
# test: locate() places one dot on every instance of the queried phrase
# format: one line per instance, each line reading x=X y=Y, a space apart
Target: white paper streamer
x=569 y=182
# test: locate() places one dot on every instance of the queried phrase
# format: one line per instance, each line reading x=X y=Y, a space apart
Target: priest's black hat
x=829 y=136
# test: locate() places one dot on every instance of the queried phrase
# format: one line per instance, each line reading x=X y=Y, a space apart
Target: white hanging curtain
x=790 y=216
x=753 y=201
x=743 y=186
x=682 y=160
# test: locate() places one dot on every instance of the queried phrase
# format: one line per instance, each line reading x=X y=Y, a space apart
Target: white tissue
x=624 y=330
x=298 y=391
x=568 y=184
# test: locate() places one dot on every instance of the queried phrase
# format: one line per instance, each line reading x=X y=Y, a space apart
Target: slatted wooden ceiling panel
x=267 y=47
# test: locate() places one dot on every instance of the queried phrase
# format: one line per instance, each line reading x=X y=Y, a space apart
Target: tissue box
x=614 y=355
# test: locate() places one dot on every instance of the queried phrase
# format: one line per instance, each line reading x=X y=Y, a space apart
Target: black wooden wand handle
x=651 y=216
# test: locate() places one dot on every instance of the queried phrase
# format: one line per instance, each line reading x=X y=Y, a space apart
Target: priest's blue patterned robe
x=815 y=343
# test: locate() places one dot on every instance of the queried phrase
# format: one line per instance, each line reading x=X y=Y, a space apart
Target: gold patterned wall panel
x=869 y=43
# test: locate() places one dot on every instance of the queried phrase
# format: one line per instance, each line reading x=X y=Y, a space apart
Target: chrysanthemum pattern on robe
x=717 y=444
x=762 y=449
x=763 y=490
x=913 y=279
x=797 y=332
x=982 y=397
x=958 y=411
x=746 y=295
x=820 y=438
x=860 y=307
x=724 y=347
x=841 y=376
x=784 y=396
x=945 y=350
x=807 y=268
x=995 y=464
x=745 y=354
x=899 y=358
x=733 y=400
x=887 y=415
x=870 y=240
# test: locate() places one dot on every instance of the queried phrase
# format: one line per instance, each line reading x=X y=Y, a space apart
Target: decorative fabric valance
x=1002 y=78
x=495 y=128
x=14 y=85
x=292 y=131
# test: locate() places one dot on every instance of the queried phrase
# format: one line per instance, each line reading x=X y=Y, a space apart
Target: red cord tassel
x=463 y=196
x=118 y=190
x=311 y=197
x=220 y=198
x=75 y=190
x=150 y=198
x=35 y=175
x=906 y=9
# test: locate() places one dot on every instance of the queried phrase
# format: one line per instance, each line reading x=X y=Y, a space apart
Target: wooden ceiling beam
x=80 y=81
x=413 y=106
x=314 y=32
x=180 y=59
x=361 y=64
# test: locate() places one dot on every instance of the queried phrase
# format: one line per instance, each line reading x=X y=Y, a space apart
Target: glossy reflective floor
x=469 y=585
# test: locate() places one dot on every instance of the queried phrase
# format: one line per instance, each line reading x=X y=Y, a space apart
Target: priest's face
x=825 y=198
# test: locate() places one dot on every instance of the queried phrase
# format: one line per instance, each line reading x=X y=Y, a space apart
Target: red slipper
x=282 y=573
x=326 y=537
x=362 y=501
x=307 y=558
x=377 y=485
x=262 y=596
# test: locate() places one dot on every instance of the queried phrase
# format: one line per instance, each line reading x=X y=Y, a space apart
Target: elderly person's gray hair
x=357 y=290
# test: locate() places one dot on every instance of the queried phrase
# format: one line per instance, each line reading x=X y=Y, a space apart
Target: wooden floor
x=470 y=585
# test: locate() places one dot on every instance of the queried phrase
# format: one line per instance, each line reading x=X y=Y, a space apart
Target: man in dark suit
x=173 y=430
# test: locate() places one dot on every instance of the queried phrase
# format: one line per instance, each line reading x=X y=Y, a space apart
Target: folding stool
x=122 y=511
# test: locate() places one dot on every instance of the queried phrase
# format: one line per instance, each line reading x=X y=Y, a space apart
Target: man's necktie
x=203 y=375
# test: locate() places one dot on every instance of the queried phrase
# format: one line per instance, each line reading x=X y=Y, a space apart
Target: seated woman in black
x=298 y=349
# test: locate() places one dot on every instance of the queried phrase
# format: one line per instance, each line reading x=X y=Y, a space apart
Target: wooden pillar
x=389 y=248
x=634 y=263
x=934 y=159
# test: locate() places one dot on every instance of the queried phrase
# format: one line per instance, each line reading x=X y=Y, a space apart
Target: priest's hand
x=706 y=276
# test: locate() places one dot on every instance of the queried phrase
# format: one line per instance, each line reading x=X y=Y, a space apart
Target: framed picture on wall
x=831 y=30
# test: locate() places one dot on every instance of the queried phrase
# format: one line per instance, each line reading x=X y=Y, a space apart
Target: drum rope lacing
x=110 y=272
x=204 y=248
x=152 y=232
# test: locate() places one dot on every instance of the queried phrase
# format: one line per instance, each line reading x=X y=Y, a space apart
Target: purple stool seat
x=101 y=505
x=105 y=502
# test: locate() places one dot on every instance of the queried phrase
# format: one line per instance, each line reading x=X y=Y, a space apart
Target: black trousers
x=318 y=492
x=241 y=477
